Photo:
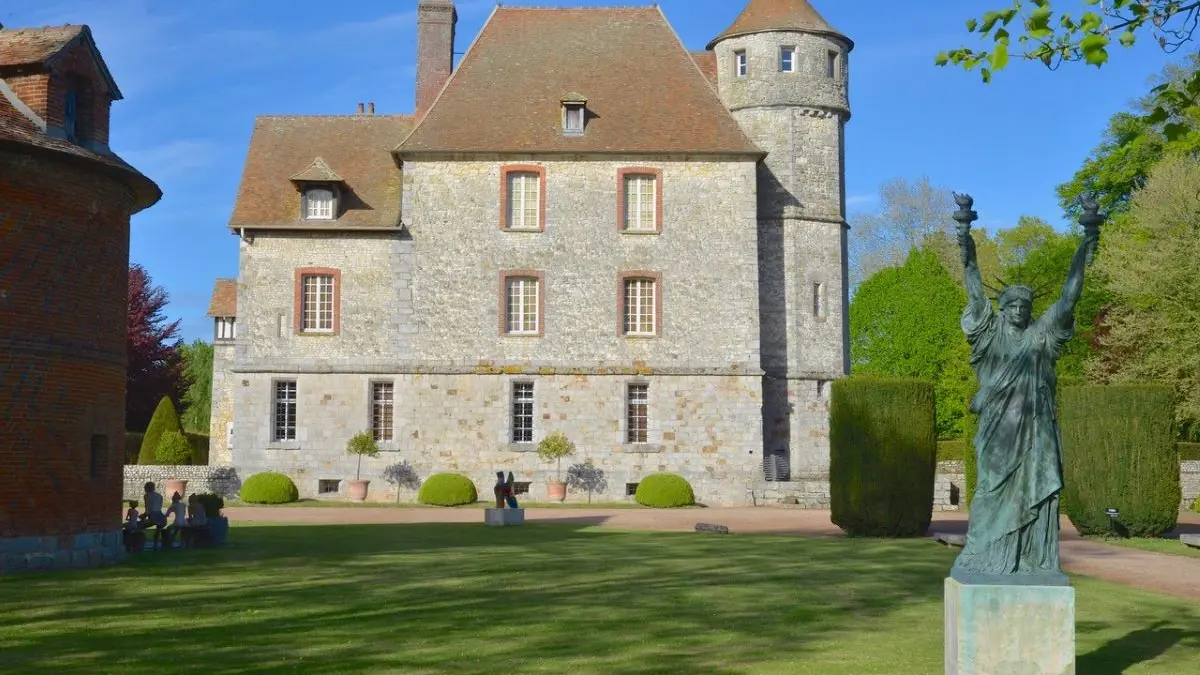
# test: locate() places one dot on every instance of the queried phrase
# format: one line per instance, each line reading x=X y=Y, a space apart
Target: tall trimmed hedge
x=1119 y=451
x=164 y=419
x=883 y=456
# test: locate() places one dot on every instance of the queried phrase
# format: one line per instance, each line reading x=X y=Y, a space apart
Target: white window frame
x=518 y=200
x=573 y=118
x=318 y=203
x=284 y=399
x=383 y=410
x=225 y=328
x=636 y=202
x=637 y=408
x=522 y=413
x=519 y=308
x=741 y=63
x=787 y=59
x=317 y=304
x=637 y=307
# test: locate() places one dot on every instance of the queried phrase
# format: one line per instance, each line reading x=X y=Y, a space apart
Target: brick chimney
x=435 y=49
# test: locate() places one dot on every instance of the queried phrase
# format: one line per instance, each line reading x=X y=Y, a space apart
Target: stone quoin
x=453 y=280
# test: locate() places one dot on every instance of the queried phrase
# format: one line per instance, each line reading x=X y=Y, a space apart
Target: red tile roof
x=765 y=15
x=27 y=46
x=645 y=93
x=707 y=63
x=355 y=148
x=224 y=298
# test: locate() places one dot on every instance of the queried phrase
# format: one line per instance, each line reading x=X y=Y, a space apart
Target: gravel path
x=1176 y=575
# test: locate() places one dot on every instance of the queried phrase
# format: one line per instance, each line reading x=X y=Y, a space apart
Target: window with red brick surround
x=522 y=303
x=635 y=205
x=639 y=304
x=523 y=197
x=318 y=301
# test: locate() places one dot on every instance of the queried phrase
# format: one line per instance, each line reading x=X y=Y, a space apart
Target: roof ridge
x=329 y=115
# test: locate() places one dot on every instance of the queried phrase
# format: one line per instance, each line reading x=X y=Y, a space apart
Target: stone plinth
x=57 y=552
x=1192 y=540
x=504 y=517
x=1009 y=629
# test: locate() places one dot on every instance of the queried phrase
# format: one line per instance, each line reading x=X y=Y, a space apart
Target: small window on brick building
x=71 y=115
x=327 y=486
x=98 y=456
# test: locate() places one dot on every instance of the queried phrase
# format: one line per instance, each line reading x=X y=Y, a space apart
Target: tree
x=904 y=322
x=1149 y=264
x=155 y=367
x=1054 y=39
x=197 y=375
x=164 y=420
x=1131 y=146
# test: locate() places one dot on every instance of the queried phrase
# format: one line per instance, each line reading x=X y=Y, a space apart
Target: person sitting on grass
x=179 y=511
x=197 y=520
x=154 y=515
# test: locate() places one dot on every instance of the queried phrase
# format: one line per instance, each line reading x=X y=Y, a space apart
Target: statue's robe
x=1013 y=526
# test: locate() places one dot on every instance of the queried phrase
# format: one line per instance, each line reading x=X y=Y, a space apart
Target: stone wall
x=92 y=549
x=703 y=427
x=222 y=480
x=221 y=420
x=1189 y=479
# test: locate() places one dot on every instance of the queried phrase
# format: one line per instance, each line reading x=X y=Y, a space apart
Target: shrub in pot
x=552 y=449
x=361 y=444
x=174 y=449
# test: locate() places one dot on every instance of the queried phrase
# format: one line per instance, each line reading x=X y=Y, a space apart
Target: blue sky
x=195 y=74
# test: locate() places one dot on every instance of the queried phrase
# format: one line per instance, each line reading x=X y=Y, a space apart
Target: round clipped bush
x=269 y=487
x=664 y=491
x=447 y=489
x=883 y=456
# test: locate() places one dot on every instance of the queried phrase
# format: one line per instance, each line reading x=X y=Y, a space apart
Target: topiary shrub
x=269 y=487
x=883 y=456
x=163 y=420
x=447 y=489
x=664 y=491
x=1119 y=451
x=173 y=449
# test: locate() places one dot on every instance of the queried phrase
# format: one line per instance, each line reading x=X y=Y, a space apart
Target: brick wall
x=63 y=290
x=45 y=93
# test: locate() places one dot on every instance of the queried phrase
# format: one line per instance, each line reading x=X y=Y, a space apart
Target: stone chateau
x=585 y=228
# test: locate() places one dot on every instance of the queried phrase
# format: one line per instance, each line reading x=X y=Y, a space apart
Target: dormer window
x=574 y=114
x=225 y=327
x=320 y=189
x=318 y=204
x=71 y=115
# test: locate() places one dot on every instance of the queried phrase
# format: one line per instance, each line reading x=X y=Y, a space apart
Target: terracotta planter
x=556 y=491
x=357 y=490
x=175 y=485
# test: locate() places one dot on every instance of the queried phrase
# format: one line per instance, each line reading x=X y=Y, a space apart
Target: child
x=132 y=535
x=131 y=516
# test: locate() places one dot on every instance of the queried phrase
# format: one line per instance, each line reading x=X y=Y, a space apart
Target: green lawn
x=543 y=598
x=1155 y=545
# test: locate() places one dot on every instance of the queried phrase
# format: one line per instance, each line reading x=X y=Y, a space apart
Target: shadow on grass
x=1139 y=646
x=465 y=598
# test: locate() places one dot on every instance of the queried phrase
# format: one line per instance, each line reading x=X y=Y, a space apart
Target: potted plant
x=174 y=450
x=552 y=449
x=218 y=523
x=362 y=443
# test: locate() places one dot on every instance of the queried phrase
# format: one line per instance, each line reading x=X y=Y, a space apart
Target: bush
x=164 y=419
x=133 y=447
x=664 y=491
x=587 y=477
x=883 y=456
x=173 y=448
x=1196 y=504
x=269 y=487
x=950 y=450
x=1189 y=452
x=553 y=448
x=199 y=444
x=970 y=459
x=212 y=503
x=1119 y=451
x=447 y=489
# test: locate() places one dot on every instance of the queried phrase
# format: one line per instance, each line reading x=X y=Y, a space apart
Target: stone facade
x=221 y=480
x=220 y=433
x=1189 y=479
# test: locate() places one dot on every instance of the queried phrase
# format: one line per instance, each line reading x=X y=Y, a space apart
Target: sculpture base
x=992 y=629
x=504 y=517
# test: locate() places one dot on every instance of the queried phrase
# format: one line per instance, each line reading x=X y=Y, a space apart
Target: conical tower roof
x=769 y=15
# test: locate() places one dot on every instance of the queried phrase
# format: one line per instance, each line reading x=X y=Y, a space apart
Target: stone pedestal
x=1009 y=629
x=504 y=517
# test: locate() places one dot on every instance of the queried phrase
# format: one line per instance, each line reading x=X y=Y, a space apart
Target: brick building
x=65 y=203
x=585 y=227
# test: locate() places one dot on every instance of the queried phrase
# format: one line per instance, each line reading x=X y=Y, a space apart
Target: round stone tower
x=65 y=204
x=783 y=72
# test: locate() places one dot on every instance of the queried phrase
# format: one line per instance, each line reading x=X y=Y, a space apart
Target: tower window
x=833 y=65
x=70 y=115
x=739 y=63
x=818 y=299
x=225 y=327
x=787 y=59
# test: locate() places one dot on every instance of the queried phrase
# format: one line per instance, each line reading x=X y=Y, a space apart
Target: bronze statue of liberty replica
x=1012 y=535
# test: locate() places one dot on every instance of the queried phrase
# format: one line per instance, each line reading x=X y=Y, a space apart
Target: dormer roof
x=317 y=172
x=39 y=47
x=224 y=298
x=777 y=15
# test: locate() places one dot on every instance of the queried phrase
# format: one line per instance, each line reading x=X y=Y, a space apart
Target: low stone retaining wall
x=1189 y=479
x=222 y=480
x=92 y=549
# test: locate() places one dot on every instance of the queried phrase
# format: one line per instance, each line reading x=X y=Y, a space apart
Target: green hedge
x=1189 y=452
x=970 y=459
x=664 y=491
x=1119 y=451
x=269 y=487
x=163 y=420
x=199 y=443
x=952 y=449
x=883 y=456
x=447 y=489
x=133 y=447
